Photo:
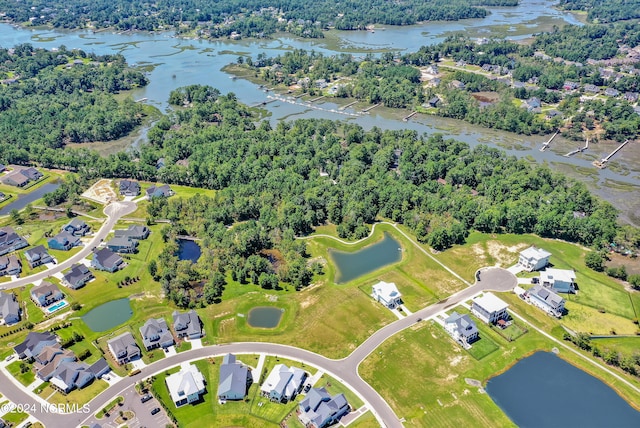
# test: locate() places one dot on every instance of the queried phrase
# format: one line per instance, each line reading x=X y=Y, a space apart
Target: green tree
x=594 y=260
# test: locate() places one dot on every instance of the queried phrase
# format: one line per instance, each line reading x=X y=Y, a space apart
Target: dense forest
x=245 y=17
x=604 y=11
x=270 y=189
x=50 y=98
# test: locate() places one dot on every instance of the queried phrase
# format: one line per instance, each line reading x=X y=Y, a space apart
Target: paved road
x=345 y=370
x=114 y=212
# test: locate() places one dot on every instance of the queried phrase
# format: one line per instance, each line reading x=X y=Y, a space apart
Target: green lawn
x=625 y=345
x=482 y=347
x=14 y=417
x=334 y=387
x=25 y=378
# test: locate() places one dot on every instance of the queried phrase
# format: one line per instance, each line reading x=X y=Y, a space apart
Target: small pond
x=543 y=390
x=350 y=266
x=108 y=315
x=188 y=250
x=23 y=200
x=265 y=317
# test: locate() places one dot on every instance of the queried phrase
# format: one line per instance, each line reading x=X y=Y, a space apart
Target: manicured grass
x=482 y=347
x=25 y=378
x=14 y=417
x=79 y=396
x=625 y=345
x=334 y=387
x=109 y=406
x=367 y=420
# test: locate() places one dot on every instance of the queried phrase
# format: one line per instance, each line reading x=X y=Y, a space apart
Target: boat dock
x=347 y=106
x=603 y=163
x=546 y=145
x=316 y=99
x=307 y=104
x=370 y=108
x=263 y=103
x=578 y=150
x=141 y=100
x=406 y=118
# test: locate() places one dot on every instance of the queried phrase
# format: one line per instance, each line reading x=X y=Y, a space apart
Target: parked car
x=146 y=397
x=307 y=387
x=155 y=410
x=10 y=357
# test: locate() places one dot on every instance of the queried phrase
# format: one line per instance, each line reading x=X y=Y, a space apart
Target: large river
x=177 y=62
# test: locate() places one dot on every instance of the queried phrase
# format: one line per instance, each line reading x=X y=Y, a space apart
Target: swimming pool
x=61 y=304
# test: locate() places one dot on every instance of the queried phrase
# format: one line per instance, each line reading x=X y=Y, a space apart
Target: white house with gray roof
x=10 y=265
x=489 y=308
x=186 y=386
x=124 y=348
x=319 y=409
x=187 y=324
x=558 y=280
x=387 y=293
x=106 y=260
x=234 y=379
x=9 y=309
x=546 y=300
x=283 y=383
x=533 y=258
x=133 y=232
x=461 y=327
x=156 y=334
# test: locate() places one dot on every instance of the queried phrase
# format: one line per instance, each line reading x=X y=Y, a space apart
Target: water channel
x=25 y=199
x=350 y=266
x=177 y=62
x=544 y=390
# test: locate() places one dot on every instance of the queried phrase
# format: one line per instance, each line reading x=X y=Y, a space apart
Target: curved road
x=114 y=212
x=345 y=369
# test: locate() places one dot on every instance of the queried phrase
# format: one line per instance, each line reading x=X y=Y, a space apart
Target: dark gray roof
x=125 y=344
x=36 y=253
x=319 y=407
x=99 y=367
x=107 y=258
x=78 y=273
x=65 y=237
x=121 y=242
x=129 y=186
x=189 y=321
x=32 y=340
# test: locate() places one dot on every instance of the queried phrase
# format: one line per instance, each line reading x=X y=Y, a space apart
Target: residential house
x=34 y=343
x=77 y=277
x=533 y=105
x=569 y=86
x=387 y=293
x=63 y=241
x=9 y=309
x=187 y=324
x=319 y=409
x=320 y=83
x=433 y=102
x=489 y=308
x=156 y=334
x=546 y=300
x=456 y=84
x=48 y=360
x=552 y=113
x=432 y=69
x=283 y=383
x=461 y=328
x=99 y=368
x=45 y=294
x=20 y=177
x=611 y=92
x=593 y=89
x=234 y=379
x=129 y=188
x=10 y=240
x=559 y=280
x=77 y=227
x=71 y=375
x=107 y=260
x=121 y=244
x=133 y=232
x=10 y=265
x=160 y=163
x=186 y=386
x=37 y=256
x=163 y=191
x=124 y=348
x=631 y=97
x=533 y=258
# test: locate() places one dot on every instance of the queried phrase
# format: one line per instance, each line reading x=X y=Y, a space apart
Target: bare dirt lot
x=101 y=192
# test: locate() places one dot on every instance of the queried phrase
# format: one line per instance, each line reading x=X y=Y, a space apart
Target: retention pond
x=265 y=317
x=108 y=315
x=353 y=265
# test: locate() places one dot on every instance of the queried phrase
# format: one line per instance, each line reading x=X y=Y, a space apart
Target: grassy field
x=77 y=396
x=26 y=378
x=442 y=398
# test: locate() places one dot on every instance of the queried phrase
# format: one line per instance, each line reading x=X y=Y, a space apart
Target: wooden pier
x=603 y=163
x=316 y=99
x=546 y=145
x=370 y=108
x=578 y=150
x=347 y=106
x=406 y=118
x=264 y=103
